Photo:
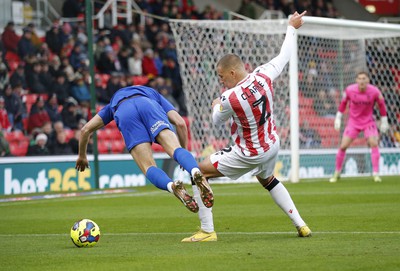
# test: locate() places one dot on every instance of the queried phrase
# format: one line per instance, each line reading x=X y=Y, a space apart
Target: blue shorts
x=140 y=120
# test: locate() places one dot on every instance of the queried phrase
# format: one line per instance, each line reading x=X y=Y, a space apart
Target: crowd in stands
x=44 y=81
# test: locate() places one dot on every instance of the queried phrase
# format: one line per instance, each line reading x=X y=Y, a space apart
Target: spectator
x=61 y=146
x=4 y=77
x=54 y=39
x=74 y=142
x=14 y=107
x=70 y=115
x=36 y=41
x=135 y=64
x=61 y=88
x=67 y=69
x=108 y=61
x=33 y=78
x=25 y=46
x=38 y=115
x=325 y=105
x=4 y=121
x=79 y=90
x=113 y=84
x=148 y=64
x=10 y=38
x=309 y=138
x=52 y=132
x=51 y=107
x=76 y=57
x=101 y=95
x=47 y=129
x=39 y=148
x=45 y=77
x=18 y=77
x=123 y=57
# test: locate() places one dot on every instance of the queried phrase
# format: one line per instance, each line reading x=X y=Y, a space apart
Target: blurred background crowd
x=44 y=80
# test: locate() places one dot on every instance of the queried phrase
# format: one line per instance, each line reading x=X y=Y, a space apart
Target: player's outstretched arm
x=94 y=124
x=296 y=19
x=274 y=68
x=180 y=125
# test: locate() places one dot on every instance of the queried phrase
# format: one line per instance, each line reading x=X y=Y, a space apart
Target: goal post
x=328 y=55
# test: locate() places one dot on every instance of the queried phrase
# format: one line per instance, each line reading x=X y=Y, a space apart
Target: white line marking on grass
x=183 y=233
x=88 y=197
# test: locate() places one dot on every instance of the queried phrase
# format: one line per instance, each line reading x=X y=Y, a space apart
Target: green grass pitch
x=355 y=224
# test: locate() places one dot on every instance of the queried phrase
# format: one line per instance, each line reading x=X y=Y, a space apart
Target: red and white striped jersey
x=249 y=105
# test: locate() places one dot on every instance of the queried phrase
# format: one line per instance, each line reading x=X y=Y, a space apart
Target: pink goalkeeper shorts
x=369 y=130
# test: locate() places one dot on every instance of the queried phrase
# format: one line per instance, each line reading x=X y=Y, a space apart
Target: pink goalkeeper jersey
x=361 y=104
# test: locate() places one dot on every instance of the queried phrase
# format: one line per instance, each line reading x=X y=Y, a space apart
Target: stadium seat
x=69 y=134
x=103 y=134
x=104 y=79
x=103 y=146
x=15 y=136
x=19 y=148
x=117 y=146
x=157 y=147
x=140 y=80
x=29 y=100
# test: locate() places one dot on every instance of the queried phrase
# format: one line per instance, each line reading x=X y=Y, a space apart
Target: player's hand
x=338 y=121
x=296 y=19
x=215 y=102
x=384 y=125
x=81 y=164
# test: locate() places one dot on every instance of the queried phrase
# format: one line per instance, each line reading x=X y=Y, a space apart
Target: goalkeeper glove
x=338 y=121
x=384 y=125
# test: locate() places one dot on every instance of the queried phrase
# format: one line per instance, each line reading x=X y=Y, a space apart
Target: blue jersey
x=140 y=113
x=107 y=112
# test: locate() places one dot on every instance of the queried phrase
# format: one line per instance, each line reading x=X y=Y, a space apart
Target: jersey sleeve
x=165 y=104
x=343 y=102
x=381 y=103
x=222 y=112
x=106 y=114
x=275 y=67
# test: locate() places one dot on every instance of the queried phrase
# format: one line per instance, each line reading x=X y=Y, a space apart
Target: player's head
x=231 y=70
x=362 y=79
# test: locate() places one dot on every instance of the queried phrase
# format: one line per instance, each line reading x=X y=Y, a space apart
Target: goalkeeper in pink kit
x=361 y=98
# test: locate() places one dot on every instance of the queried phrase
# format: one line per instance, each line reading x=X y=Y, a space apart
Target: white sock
x=169 y=187
x=194 y=170
x=282 y=198
x=205 y=214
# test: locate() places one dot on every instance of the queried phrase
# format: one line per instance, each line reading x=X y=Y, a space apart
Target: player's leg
x=282 y=198
x=172 y=147
x=350 y=133
x=207 y=231
x=278 y=191
x=371 y=133
x=210 y=167
x=143 y=156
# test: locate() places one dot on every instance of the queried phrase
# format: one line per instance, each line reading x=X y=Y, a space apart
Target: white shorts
x=234 y=165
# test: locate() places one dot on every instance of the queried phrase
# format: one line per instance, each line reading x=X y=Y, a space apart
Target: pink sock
x=339 y=159
x=375 y=155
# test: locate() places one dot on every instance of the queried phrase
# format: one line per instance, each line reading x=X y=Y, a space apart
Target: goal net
x=330 y=52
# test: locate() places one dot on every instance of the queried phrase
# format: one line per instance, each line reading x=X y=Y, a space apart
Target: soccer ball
x=85 y=233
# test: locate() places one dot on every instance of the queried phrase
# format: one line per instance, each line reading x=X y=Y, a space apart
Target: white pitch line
x=183 y=233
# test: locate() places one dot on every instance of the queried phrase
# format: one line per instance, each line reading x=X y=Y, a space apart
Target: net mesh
x=329 y=58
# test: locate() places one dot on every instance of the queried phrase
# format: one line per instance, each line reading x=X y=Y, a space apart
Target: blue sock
x=185 y=159
x=158 y=177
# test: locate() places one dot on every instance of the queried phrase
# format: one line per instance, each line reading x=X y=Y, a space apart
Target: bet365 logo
x=52 y=180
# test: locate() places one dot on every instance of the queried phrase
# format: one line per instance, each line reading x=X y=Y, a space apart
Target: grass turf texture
x=355 y=225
